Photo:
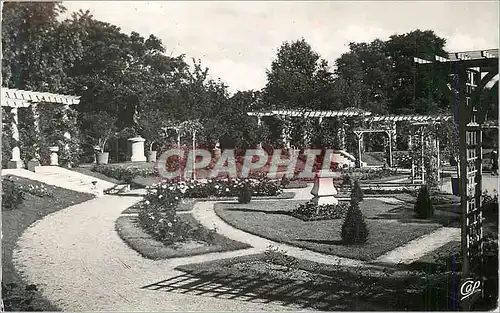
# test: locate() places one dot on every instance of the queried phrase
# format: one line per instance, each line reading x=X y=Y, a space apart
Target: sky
x=238 y=40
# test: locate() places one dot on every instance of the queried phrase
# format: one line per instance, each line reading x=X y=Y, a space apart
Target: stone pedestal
x=324 y=191
x=15 y=164
x=137 y=149
x=32 y=164
x=15 y=161
x=54 y=158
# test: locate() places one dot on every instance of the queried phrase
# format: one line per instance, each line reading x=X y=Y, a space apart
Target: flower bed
x=14 y=192
x=149 y=247
x=310 y=211
x=157 y=213
x=223 y=187
x=367 y=174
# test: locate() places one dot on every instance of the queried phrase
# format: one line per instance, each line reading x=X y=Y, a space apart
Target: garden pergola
x=16 y=99
x=388 y=121
x=189 y=126
x=471 y=72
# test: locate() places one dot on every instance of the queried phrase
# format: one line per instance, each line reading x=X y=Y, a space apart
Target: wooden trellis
x=471 y=71
x=359 y=136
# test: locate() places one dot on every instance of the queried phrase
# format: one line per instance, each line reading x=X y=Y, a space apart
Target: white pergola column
x=394 y=134
x=35 y=161
x=342 y=134
x=15 y=161
x=438 y=159
x=390 y=147
x=359 y=136
x=67 y=135
x=285 y=134
x=259 y=124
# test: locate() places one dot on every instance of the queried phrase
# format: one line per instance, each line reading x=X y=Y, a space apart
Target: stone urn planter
x=151 y=156
x=102 y=157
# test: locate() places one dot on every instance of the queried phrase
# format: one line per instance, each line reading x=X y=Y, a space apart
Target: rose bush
x=311 y=211
x=157 y=215
x=220 y=187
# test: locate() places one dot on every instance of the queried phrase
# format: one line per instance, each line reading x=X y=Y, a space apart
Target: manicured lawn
x=305 y=284
x=442 y=216
x=129 y=230
x=15 y=222
x=271 y=220
x=296 y=184
x=87 y=171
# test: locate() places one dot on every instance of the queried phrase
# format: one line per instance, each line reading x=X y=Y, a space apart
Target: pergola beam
x=35 y=97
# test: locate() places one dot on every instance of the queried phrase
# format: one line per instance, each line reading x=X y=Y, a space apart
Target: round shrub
x=346 y=180
x=312 y=211
x=354 y=229
x=12 y=195
x=423 y=207
x=285 y=181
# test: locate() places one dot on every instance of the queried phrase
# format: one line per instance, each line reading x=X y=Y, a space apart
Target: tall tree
x=412 y=90
x=298 y=78
x=364 y=76
x=36 y=48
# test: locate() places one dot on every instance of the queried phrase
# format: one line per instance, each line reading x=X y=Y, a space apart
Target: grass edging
x=137 y=239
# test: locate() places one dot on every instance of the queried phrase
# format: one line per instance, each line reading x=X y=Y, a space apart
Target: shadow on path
x=325 y=296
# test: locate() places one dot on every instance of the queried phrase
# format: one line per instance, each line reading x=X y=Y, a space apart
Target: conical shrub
x=354 y=229
x=423 y=206
x=245 y=194
x=356 y=192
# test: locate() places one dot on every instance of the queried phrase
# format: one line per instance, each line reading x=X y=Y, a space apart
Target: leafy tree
x=364 y=76
x=234 y=127
x=102 y=127
x=382 y=77
x=36 y=48
x=151 y=123
x=408 y=84
x=298 y=78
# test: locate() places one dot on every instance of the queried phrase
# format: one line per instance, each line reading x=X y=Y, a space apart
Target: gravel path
x=417 y=248
x=80 y=264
